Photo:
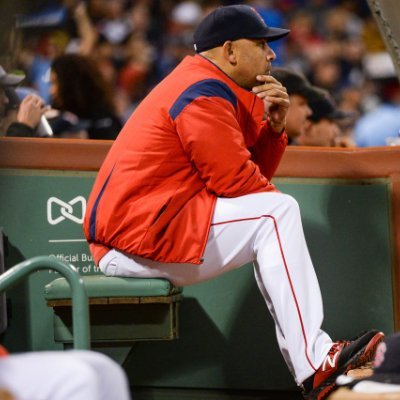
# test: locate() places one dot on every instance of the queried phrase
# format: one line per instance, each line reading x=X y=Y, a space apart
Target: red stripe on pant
x=286 y=270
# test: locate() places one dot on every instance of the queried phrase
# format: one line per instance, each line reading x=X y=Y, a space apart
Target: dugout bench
x=122 y=310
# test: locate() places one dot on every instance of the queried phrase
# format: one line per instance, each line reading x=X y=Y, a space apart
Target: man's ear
x=229 y=52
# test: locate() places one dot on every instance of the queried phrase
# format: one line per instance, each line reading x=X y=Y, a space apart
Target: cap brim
x=11 y=80
x=276 y=33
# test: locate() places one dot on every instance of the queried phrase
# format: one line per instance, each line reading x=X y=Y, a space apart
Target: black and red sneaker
x=342 y=357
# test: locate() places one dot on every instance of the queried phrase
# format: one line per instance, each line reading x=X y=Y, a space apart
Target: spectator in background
x=324 y=129
x=327 y=73
x=78 y=87
x=86 y=34
x=329 y=42
x=104 y=57
x=300 y=93
x=68 y=29
x=381 y=126
x=37 y=56
x=18 y=119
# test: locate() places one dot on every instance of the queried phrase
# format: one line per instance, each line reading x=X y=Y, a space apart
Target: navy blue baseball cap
x=233 y=23
x=324 y=106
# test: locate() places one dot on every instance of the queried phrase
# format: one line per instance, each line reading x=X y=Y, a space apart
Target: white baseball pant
x=266 y=229
x=69 y=375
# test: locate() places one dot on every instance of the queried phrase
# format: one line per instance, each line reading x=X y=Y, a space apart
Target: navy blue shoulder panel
x=207 y=88
x=93 y=214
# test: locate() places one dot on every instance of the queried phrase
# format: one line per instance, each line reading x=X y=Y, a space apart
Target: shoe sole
x=365 y=355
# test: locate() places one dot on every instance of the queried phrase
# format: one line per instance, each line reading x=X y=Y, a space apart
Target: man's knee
x=291 y=203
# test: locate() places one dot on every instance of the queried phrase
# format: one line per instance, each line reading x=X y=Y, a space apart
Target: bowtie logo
x=66 y=210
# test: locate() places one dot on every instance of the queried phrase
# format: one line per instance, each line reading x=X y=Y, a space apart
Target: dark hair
x=82 y=89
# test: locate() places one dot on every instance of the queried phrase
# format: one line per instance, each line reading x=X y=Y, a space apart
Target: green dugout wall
x=350 y=205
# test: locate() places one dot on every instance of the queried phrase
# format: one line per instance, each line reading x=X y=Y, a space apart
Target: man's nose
x=270 y=54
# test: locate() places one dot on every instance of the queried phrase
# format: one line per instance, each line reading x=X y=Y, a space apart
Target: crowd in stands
x=128 y=46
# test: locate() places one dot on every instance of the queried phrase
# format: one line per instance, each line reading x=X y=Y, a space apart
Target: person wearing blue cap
x=185 y=191
x=323 y=129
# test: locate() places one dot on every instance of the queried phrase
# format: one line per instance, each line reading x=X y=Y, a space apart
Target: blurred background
x=336 y=44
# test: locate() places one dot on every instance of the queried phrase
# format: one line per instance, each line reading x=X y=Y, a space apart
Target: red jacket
x=197 y=136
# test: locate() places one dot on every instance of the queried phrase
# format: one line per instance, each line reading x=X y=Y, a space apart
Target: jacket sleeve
x=214 y=143
x=18 y=129
x=268 y=150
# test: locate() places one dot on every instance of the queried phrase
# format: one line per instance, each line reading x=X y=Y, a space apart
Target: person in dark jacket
x=28 y=112
x=77 y=86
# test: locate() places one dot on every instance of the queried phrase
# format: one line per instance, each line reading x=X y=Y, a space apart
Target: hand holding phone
x=31 y=113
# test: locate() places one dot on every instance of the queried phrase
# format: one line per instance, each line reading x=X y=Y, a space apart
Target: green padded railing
x=80 y=305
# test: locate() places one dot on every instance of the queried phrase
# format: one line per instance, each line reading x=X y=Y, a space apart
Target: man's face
x=297 y=116
x=321 y=133
x=254 y=57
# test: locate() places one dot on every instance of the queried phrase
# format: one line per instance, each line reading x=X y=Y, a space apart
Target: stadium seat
x=122 y=310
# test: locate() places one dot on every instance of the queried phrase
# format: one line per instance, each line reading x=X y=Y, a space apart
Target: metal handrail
x=80 y=305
